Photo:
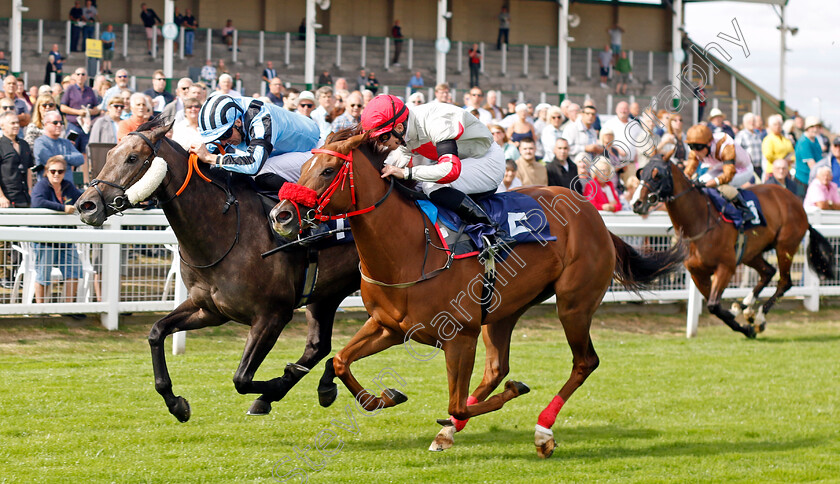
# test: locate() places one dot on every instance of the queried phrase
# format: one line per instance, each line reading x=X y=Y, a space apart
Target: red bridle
x=299 y=194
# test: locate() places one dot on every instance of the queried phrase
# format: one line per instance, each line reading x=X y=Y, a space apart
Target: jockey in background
x=729 y=165
x=244 y=135
x=442 y=146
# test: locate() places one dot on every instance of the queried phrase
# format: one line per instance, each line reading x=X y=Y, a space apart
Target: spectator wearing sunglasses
x=52 y=144
x=78 y=102
x=105 y=128
x=306 y=103
x=185 y=132
x=175 y=109
x=352 y=113
x=121 y=80
x=55 y=192
x=43 y=104
x=160 y=96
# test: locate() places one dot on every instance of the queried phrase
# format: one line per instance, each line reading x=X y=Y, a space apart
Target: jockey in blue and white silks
x=257 y=139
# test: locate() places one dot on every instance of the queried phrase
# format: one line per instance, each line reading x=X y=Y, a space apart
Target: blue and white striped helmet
x=217 y=116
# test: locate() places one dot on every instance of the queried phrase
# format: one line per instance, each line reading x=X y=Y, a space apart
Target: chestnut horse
x=712 y=241
x=222 y=230
x=413 y=290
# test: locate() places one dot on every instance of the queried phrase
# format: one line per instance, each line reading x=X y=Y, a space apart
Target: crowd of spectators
x=46 y=129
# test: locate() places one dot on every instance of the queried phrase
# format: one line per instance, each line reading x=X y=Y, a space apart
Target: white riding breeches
x=286 y=165
x=737 y=181
x=478 y=175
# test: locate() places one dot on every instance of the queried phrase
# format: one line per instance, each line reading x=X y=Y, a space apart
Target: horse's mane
x=368 y=148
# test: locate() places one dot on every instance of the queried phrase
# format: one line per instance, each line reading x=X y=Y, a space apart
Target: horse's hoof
x=749 y=313
x=259 y=407
x=762 y=327
x=181 y=409
x=444 y=439
x=517 y=387
x=749 y=331
x=395 y=396
x=544 y=442
x=327 y=394
x=445 y=422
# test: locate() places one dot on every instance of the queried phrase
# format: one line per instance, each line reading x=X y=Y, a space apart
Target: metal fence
x=130 y=265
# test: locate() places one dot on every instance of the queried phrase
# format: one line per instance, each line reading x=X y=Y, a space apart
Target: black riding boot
x=741 y=204
x=472 y=213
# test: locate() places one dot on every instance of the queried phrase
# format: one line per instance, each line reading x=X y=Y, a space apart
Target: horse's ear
x=667 y=156
x=160 y=131
x=357 y=140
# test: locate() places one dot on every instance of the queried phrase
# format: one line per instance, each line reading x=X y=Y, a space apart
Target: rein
x=122 y=203
x=296 y=194
x=299 y=194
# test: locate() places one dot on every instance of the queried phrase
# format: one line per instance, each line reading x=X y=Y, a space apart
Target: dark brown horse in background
x=392 y=239
x=222 y=230
x=712 y=241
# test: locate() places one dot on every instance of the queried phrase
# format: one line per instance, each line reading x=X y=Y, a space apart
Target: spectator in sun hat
x=305 y=103
x=808 y=152
x=716 y=123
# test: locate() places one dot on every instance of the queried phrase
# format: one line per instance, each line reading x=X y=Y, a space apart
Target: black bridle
x=121 y=202
x=665 y=194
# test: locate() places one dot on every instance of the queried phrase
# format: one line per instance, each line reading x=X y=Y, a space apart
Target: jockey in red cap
x=442 y=146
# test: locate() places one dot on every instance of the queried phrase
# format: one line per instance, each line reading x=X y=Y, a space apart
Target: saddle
x=519 y=214
x=730 y=213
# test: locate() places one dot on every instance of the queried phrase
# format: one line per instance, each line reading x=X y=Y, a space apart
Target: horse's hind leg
x=765 y=275
x=576 y=315
x=185 y=317
x=264 y=333
x=496 y=367
x=784 y=256
x=319 y=317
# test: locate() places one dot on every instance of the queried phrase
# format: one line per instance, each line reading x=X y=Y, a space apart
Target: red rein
x=299 y=194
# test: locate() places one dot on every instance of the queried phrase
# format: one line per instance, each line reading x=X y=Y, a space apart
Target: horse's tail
x=820 y=254
x=635 y=270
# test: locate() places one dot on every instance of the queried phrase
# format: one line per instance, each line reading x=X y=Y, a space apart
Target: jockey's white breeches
x=286 y=165
x=480 y=174
x=737 y=181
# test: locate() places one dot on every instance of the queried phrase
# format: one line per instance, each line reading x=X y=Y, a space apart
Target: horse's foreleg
x=185 y=317
x=496 y=363
x=460 y=357
x=723 y=274
x=370 y=339
x=765 y=275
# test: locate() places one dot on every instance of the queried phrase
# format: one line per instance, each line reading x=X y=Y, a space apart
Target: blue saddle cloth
x=520 y=214
x=731 y=213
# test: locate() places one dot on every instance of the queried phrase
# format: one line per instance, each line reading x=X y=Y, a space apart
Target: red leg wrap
x=549 y=415
x=460 y=424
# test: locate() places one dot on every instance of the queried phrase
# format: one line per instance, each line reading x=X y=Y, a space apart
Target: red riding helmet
x=383 y=113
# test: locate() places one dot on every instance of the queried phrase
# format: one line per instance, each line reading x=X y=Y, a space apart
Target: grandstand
x=353 y=37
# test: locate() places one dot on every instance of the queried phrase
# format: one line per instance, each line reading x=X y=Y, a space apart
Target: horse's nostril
x=87 y=206
x=283 y=216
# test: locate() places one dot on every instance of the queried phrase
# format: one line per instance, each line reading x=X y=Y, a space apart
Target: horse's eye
x=327 y=171
x=132 y=158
